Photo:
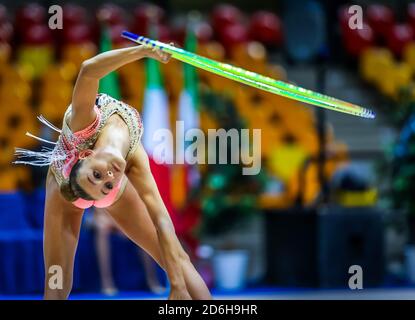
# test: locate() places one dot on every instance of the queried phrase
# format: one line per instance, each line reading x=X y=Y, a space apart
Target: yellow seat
x=392 y=79
x=37 y=57
x=286 y=160
x=403 y=74
x=271 y=138
x=374 y=62
x=409 y=55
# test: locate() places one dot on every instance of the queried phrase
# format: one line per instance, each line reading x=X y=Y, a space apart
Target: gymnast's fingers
x=164 y=56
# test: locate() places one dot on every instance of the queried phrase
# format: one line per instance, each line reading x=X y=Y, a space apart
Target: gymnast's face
x=100 y=172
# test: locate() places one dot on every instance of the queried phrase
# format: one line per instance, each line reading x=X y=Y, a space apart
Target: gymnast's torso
x=70 y=143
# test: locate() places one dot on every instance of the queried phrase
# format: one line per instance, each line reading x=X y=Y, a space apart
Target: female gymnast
x=99 y=161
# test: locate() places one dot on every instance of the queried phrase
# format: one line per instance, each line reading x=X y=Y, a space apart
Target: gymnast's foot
x=109 y=291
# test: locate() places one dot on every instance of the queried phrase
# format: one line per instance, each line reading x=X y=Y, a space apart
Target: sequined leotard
x=65 y=153
x=105 y=106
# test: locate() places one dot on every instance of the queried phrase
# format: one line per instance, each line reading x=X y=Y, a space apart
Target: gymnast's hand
x=158 y=54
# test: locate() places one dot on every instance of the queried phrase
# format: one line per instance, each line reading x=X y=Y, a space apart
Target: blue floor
x=263 y=293
x=126 y=295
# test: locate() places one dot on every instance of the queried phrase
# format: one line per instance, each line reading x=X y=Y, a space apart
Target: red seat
x=381 y=18
x=398 y=37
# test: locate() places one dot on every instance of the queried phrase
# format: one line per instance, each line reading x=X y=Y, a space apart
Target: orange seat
x=60 y=73
x=6 y=150
x=79 y=53
x=16 y=73
x=60 y=95
x=52 y=111
x=5 y=53
x=276 y=72
x=18 y=91
x=213 y=50
x=8 y=180
x=251 y=56
x=15 y=122
x=132 y=76
x=207 y=121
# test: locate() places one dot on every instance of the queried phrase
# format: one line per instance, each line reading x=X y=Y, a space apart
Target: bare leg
x=132 y=217
x=102 y=244
x=61 y=233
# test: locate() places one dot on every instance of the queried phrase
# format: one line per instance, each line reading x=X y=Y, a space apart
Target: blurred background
x=334 y=190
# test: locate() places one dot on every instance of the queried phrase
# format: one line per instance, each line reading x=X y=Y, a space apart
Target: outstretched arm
x=95 y=68
x=173 y=254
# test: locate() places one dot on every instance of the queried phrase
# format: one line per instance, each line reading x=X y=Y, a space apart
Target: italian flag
x=186 y=176
x=155 y=116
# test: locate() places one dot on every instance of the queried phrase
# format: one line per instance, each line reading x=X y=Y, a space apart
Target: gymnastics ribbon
x=254 y=79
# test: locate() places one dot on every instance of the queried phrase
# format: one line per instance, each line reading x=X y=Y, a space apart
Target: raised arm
x=172 y=252
x=95 y=68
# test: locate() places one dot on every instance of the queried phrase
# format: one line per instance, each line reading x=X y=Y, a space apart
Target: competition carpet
x=258 y=293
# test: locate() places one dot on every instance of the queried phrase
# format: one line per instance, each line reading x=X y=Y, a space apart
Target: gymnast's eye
x=108 y=185
x=97 y=175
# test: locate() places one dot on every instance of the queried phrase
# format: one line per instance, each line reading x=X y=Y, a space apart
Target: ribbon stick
x=254 y=79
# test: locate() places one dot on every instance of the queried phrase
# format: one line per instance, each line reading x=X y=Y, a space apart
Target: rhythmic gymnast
x=99 y=161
